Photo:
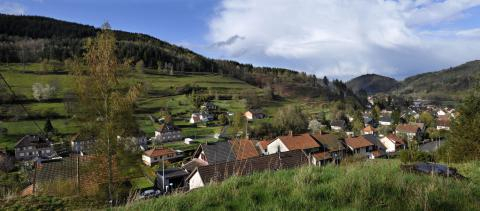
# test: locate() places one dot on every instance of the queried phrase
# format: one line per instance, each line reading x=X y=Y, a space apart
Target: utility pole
x=246 y=128
x=109 y=173
x=78 y=175
x=163 y=174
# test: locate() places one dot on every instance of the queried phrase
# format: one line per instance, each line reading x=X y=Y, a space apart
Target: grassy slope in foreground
x=373 y=185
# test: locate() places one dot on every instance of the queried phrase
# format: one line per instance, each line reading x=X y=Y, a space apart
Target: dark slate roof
x=283 y=160
x=330 y=141
x=173 y=172
x=367 y=120
x=374 y=140
x=338 y=123
x=218 y=152
x=385 y=119
x=33 y=140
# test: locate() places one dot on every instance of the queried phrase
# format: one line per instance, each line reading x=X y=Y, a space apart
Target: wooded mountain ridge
x=25 y=39
x=448 y=84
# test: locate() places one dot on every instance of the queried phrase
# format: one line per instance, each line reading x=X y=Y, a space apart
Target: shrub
x=407 y=156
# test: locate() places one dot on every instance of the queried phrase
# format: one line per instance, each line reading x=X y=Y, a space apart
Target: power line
x=21 y=105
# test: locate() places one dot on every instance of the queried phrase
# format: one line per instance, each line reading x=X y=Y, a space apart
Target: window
x=21 y=154
x=30 y=147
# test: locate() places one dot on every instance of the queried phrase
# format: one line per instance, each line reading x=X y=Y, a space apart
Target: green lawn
x=141 y=183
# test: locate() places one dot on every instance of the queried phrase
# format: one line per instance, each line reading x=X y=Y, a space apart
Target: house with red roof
x=368 y=130
x=153 y=156
x=359 y=145
x=290 y=142
x=393 y=143
x=263 y=146
x=409 y=130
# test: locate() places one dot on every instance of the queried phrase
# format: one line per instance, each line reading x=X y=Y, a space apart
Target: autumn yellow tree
x=105 y=98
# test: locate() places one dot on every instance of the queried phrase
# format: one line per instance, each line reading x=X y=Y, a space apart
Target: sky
x=337 y=38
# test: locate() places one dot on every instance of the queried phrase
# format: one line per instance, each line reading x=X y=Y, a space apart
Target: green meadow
x=370 y=185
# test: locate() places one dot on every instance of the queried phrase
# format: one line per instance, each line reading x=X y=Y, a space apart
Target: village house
x=359 y=145
x=33 y=146
x=204 y=175
x=338 y=125
x=379 y=150
x=331 y=144
x=193 y=164
x=209 y=106
x=393 y=143
x=367 y=121
x=321 y=158
x=263 y=146
x=420 y=125
x=440 y=113
x=409 y=130
x=170 y=179
x=218 y=152
x=153 y=156
x=385 y=121
x=368 y=130
x=195 y=118
x=201 y=117
x=292 y=142
x=168 y=132
x=254 y=114
x=443 y=124
x=82 y=144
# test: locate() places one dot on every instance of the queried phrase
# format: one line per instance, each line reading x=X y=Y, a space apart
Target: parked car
x=150 y=193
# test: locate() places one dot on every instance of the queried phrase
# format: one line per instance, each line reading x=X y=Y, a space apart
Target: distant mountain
x=449 y=84
x=372 y=83
x=444 y=85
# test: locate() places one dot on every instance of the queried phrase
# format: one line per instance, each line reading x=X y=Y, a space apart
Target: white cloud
x=345 y=38
x=12 y=8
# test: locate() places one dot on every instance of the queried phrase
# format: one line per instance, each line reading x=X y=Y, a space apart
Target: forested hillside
x=444 y=85
x=449 y=84
x=372 y=83
x=29 y=39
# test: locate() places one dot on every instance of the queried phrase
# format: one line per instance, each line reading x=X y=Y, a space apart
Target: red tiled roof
x=244 y=149
x=303 y=141
x=322 y=155
x=395 y=139
x=264 y=144
x=358 y=142
x=443 y=122
x=407 y=128
x=368 y=129
x=159 y=152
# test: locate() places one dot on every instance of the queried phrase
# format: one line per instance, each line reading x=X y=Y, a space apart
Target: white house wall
x=195 y=181
x=273 y=147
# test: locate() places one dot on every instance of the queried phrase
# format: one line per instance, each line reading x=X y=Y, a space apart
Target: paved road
x=431 y=146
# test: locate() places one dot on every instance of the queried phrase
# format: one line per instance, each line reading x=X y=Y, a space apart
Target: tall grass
x=373 y=185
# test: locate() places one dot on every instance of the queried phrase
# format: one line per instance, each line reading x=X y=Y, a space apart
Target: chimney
x=290 y=133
